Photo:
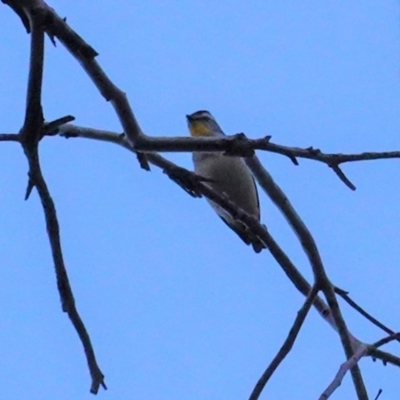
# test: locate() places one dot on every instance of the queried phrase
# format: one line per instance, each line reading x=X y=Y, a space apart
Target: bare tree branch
x=351 y=362
x=9 y=137
x=73 y=131
x=39 y=18
x=344 y=368
x=33 y=113
x=342 y=176
x=29 y=137
x=287 y=345
x=386 y=358
x=302 y=285
x=244 y=147
x=85 y=54
x=345 y=296
x=309 y=246
x=64 y=288
x=239 y=145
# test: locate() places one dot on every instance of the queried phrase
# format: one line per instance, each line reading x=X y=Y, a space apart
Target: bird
x=226 y=175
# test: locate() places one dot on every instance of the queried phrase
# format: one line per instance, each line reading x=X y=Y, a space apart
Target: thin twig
x=378 y=394
x=344 y=295
x=385 y=357
x=51 y=128
x=9 y=137
x=346 y=366
x=342 y=176
x=287 y=345
x=386 y=340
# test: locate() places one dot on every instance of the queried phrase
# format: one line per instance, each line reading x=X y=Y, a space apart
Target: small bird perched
x=228 y=175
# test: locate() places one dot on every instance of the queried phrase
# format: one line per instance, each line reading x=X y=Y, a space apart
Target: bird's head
x=202 y=123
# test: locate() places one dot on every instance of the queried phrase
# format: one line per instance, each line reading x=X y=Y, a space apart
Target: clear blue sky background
x=177 y=307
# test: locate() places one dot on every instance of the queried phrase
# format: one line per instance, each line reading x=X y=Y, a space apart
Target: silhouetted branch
x=240 y=145
x=38 y=18
x=287 y=345
x=345 y=296
x=64 y=288
x=351 y=362
x=51 y=128
x=342 y=177
x=9 y=137
x=386 y=358
x=309 y=246
x=85 y=54
x=288 y=267
x=33 y=113
x=29 y=137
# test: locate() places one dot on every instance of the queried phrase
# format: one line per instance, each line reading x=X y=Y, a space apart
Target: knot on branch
x=313 y=151
x=51 y=128
x=239 y=146
x=142 y=160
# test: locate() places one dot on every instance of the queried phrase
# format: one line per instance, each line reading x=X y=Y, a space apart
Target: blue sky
x=176 y=305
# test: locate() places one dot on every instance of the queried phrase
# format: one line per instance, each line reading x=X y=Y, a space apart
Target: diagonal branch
x=309 y=246
x=287 y=345
x=240 y=145
x=73 y=131
x=351 y=362
x=43 y=18
x=345 y=296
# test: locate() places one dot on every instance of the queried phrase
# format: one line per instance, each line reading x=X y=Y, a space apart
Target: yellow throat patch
x=198 y=128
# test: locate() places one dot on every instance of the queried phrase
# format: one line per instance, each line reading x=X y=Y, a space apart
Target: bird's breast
x=231 y=176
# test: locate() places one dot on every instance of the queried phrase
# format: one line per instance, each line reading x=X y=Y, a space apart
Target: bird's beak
x=189 y=118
